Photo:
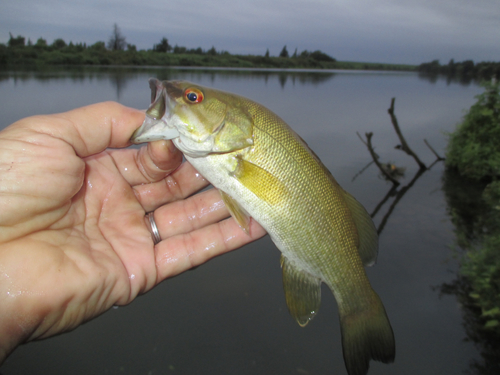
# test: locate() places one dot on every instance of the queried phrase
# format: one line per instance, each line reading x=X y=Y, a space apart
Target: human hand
x=73 y=236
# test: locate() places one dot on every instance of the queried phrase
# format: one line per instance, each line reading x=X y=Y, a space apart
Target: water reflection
x=477 y=228
x=434 y=78
x=118 y=76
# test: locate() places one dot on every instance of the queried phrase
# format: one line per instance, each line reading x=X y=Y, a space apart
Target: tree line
x=21 y=52
x=464 y=70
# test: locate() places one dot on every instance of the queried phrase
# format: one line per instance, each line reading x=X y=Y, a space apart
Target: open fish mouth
x=155 y=126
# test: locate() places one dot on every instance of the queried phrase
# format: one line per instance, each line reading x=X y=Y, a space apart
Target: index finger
x=91 y=129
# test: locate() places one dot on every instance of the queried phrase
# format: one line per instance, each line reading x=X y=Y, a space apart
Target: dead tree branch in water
x=368 y=144
x=402 y=191
x=395 y=191
x=438 y=158
x=404 y=145
x=364 y=168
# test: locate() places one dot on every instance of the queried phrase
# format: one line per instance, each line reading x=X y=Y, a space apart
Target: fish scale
x=264 y=170
x=307 y=186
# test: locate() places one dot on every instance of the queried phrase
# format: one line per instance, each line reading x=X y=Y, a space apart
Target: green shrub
x=474 y=147
x=482 y=269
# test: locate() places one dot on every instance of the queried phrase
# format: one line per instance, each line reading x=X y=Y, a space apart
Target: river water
x=229 y=315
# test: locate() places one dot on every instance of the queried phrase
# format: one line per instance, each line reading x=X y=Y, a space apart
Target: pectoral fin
x=260 y=182
x=367 y=233
x=236 y=211
x=302 y=292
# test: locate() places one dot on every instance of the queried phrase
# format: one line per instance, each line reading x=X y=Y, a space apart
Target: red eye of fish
x=193 y=96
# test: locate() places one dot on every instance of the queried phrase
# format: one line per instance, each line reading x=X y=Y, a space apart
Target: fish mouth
x=155 y=126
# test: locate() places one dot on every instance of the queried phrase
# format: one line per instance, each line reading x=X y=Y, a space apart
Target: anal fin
x=302 y=292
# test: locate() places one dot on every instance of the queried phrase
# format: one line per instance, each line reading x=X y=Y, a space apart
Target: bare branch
x=362 y=140
x=433 y=151
x=399 y=195
x=368 y=144
x=404 y=145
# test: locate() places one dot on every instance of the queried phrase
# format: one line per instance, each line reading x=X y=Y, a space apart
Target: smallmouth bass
x=264 y=170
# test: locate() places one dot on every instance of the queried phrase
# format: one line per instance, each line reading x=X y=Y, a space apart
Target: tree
x=98 y=46
x=468 y=68
x=212 y=51
x=41 y=43
x=284 y=52
x=197 y=51
x=16 y=42
x=179 y=49
x=267 y=53
x=59 y=43
x=321 y=56
x=433 y=67
x=305 y=54
x=163 y=46
x=117 y=41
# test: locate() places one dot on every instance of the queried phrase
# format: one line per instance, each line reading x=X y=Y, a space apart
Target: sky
x=385 y=31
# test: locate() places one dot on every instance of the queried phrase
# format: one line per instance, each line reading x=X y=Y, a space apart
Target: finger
x=190 y=214
x=180 y=253
x=180 y=184
x=150 y=163
x=89 y=130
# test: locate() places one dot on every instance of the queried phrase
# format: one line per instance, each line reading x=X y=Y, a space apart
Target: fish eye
x=193 y=96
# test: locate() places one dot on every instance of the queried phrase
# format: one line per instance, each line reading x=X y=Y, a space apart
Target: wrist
x=23 y=305
x=18 y=323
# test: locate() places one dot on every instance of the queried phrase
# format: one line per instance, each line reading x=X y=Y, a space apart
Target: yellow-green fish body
x=264 y=170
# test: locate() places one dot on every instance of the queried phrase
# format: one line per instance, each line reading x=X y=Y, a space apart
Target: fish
x=265 y=171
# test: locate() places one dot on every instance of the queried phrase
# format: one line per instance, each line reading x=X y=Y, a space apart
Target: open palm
x=73 y=238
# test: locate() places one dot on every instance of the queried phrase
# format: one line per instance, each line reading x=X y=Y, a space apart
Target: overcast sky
x=394 y=31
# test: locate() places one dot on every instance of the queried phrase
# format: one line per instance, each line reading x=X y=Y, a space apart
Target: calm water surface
x=229 y=316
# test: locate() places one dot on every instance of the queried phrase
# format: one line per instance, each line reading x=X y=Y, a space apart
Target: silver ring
x=155 y=234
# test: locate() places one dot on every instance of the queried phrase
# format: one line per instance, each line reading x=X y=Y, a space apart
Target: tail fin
x=366 y=334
